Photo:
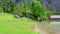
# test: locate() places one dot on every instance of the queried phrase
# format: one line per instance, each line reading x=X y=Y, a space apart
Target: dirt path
x=47 y=28
x=40 y=30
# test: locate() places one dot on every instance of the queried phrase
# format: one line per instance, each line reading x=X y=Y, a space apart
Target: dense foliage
x=38 y=10
x=19 y=8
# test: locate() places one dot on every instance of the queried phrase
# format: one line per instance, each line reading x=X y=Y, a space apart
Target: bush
x=19 y=9
x=1 y=9
x=7 y=6
x=38 y=10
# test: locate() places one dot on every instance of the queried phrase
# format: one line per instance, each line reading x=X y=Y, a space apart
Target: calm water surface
x=51 y=26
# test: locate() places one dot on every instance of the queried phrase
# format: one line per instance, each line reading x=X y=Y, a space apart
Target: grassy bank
x=10 y=25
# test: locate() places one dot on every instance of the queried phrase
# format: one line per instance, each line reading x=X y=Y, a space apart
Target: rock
x=17 y=16
x=31 y=16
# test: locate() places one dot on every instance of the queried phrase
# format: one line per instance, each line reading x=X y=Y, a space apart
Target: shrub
x=19 y=9
x=1 y=9
x=38 y=10
x=7 y=6
x=16 y=9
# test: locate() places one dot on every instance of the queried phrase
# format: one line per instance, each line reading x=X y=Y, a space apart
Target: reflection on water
x=51 y=26
x=54 y=22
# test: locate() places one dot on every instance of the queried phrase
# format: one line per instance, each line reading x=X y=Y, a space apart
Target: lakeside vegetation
x=18 y=18
x=35 y=9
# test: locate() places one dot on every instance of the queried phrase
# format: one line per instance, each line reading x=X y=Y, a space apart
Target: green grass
x=10 y=25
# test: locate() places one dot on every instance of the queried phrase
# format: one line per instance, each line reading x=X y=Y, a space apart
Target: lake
x=52 y=27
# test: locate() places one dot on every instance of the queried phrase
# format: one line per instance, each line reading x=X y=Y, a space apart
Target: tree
x=7 y=6
x=38 y=10
x=35 y=8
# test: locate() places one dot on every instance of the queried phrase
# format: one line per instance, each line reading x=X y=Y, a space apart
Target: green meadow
x=11 y=25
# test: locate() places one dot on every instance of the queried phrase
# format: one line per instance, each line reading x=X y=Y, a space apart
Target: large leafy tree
x=35 y=8
x=38 y=10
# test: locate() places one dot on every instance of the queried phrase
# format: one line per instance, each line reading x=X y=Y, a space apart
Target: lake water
x=52 y=26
